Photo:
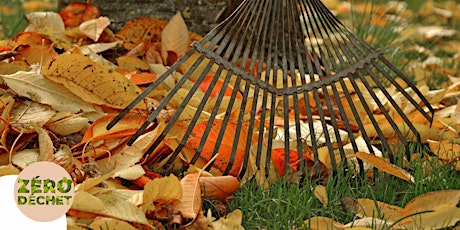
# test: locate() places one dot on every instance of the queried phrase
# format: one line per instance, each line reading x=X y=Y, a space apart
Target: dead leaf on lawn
x=385 y=166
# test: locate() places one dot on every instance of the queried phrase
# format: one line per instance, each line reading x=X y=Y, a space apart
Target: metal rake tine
x=149 y=89
x=163 y=103
x=412 y=86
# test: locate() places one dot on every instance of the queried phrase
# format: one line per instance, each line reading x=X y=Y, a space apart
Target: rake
x=280 y=76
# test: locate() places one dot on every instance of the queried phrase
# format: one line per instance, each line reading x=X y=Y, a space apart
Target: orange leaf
x=278 y=159
x=142 y=78
x=125 y=127
x=32 y=38
x=204 y=86
x=225 y=149
x=76 y=12
x=218 y=187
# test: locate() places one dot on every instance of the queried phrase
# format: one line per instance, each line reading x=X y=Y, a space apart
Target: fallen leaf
x=91 y=81
x=231 y=222
x=175 y=38
x=191 y=202
x=93 y=28
x=76 y=13
x=34 y=86
x=218 y=187
x=155 y=191
x=103 y=223
x=320 y=192
x=383 y=165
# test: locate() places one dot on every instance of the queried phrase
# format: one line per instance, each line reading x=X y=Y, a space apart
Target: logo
x=44 y=191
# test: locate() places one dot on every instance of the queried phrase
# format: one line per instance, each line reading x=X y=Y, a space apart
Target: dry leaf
x=91 y=81
x=102 y=223
x=445 y=149
x=131 y=173
x=383 y=165
x=231 y=222
x=26 y=112
x=45 y=144
x=440 y=217
x=155 y=191
x=377 y=209
x=431 y=200
x=9 y=169
x=48 y=23
x=127 y=126
x=25 y=157
x=93 y=28
x=218 y=187
x=77 y=12
x=320 y=223
x=174 y=38
x=34 y=86
x=320 y=192
x=68 y=125
x=191 y=202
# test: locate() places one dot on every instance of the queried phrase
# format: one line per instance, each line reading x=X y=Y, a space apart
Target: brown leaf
x=219 y=186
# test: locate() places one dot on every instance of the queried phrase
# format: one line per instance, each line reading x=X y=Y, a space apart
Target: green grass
x=285 y=205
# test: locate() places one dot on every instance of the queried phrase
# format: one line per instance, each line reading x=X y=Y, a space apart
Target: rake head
x=283 y=81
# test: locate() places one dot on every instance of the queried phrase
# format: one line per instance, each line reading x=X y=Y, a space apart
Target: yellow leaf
x=431 y=200
x=8 y=170
x=445 y=149
x=320 y=192
x=92 y=81
x=231 y=222
x=383 y=165
x=440 y=217
x=102 y=223
x=190 y=204
x=91 y=182
x=84 y=201
x=166 y=189
x=34 y=86
x=321 y=222
x=371 y=208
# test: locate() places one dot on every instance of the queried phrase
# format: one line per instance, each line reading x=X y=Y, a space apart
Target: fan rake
x=280 y=76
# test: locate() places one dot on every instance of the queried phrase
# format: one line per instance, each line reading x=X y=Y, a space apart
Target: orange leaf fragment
x=127 y=126
x=142 y=78
x=219 y=187
x=204 y=86
x=77 y=12
x=32 y=38
x=278 y=158
x=225 y=150
x=383 y=165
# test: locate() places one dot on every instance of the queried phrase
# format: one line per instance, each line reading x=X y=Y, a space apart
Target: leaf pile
x=68 y=75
